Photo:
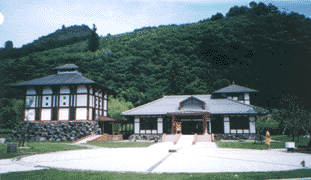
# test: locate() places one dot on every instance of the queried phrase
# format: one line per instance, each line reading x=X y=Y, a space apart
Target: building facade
x=65 y=96
x=226 y=111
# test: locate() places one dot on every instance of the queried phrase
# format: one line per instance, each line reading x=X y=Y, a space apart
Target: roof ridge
x=189 y=95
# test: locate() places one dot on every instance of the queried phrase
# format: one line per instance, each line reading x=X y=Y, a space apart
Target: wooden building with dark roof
x=65 y=96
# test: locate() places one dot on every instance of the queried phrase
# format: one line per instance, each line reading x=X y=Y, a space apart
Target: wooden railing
x=195 y=139
x=163 y=137
x=82 y=138
x=212 y=137
x=177 y=138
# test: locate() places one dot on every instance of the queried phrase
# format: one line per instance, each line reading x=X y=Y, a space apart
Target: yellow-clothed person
x=268 y=139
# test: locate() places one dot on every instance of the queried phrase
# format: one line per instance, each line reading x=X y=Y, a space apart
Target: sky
x=27 y=20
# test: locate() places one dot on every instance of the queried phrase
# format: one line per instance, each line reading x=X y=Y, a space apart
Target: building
x=225 y=111
x=65 y=96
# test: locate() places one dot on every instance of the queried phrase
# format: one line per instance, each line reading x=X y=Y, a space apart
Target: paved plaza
x=200 y=158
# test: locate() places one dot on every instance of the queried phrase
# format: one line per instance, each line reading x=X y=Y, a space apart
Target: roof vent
x=67 y=68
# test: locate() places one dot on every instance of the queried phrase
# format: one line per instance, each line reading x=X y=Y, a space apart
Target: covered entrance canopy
x=190 y=122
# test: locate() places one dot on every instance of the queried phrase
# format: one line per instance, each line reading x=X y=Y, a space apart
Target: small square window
x=47 y=98
x=46 y=104
x=64 y=97
x=64 y=103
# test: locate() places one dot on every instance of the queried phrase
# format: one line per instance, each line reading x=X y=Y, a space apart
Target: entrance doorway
x=192 y=127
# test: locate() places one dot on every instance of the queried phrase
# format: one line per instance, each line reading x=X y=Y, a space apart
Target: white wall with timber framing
x=86 y=102
x=228 y=129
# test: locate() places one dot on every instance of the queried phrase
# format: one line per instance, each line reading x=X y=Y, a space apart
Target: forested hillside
x=60 y=38
x=257 y=47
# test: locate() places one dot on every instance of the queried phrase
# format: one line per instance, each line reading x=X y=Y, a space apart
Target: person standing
x=268 y=139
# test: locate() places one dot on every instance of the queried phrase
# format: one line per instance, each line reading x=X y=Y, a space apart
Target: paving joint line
x=159 y=162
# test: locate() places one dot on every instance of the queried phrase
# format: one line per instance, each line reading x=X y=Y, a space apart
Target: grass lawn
x=284 y=138
x=250 y=145
x=36 y=148
x=116 y=144
x=58 y=174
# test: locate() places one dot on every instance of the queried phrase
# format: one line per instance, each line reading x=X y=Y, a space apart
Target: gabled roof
x=170 y=104
x=234 y=89
x=67 y=66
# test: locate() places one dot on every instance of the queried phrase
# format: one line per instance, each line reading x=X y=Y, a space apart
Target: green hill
x=59 y=38
x=256 y=47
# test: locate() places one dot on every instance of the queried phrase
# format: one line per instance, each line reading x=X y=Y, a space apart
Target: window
x=241 y=97
x=47 y=98
x=148 y=123
x=64 y=103
x=239 y=122
x=64 y=97
x=46 y=104
x=192 y=103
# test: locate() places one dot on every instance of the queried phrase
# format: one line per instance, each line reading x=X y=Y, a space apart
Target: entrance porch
x=194 y=123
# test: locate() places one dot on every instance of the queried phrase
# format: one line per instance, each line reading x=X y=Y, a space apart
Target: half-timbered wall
x=30 y=104
x=74 y=102
x=241 y=97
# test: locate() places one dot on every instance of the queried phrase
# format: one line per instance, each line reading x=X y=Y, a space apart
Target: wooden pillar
x=173 y=124
x=87 y=103
x=210 y=125
x=103 y=126
x=118 y=128
x=112 y=128
x=204 y=124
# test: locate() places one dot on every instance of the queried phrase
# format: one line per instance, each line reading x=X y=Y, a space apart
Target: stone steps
x=185 y=140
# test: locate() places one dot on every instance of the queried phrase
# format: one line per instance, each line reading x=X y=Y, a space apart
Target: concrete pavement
x=202 y=158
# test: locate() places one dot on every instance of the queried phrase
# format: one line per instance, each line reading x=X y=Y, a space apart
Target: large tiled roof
x=170 y=104
x=234 y=89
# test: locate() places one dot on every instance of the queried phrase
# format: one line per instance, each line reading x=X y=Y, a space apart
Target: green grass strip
x=118 y=144
x=88 y=175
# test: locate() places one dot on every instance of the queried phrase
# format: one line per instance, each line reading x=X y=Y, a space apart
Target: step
x=185 y=140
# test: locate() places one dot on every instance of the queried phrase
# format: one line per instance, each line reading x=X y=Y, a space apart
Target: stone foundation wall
x=57 y=131
x=144 y=137
x=239 y=137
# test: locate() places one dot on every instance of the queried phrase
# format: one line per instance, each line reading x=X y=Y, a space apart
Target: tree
x=176 y=77
x=8 y=45
x=63 y=27
x=93 y=42
x=117 y=106
x=263 y=125
x=217 y=17
x=10 y=112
